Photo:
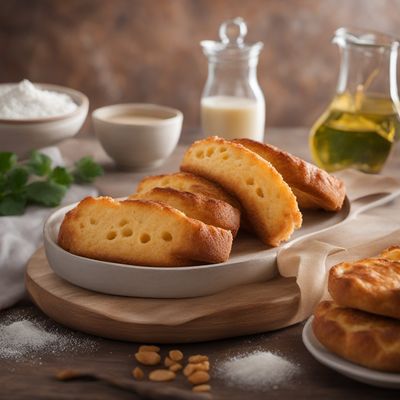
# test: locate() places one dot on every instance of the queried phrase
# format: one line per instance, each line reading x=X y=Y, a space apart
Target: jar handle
x=233 y=31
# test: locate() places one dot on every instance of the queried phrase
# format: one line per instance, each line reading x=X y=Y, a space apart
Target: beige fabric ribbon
x=372 y=225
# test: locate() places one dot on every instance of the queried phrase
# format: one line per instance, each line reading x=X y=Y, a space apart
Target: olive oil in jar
x=356 y=132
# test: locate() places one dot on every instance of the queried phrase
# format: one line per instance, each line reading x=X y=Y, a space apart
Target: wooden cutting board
x=242 y=310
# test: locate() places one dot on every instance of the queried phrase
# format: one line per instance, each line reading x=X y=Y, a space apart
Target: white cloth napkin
x=21 y=236
x=373 y=225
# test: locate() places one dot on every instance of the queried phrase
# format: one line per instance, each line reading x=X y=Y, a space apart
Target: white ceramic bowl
x=22 y=136
x=250 y=261
x=138 y=146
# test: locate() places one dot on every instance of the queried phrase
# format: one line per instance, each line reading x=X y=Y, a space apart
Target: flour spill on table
x=259 y=370
x=26 y=337
x=23 y=336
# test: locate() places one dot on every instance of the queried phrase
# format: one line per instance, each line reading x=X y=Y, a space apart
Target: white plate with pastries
x=347 y=368
x=250 y=261
x=166 y=247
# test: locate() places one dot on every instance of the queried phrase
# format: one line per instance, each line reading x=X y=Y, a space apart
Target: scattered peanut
x=201 y=388
x=168 y=362
x=175 y=367
x=197 y=359
x=195 y=370
x=203 y=366
x=198 y=377
x=162 y=375
x=138 y=374
x=149 y=348
x=189 y=369
x=175 y=355
x=67 y=374
x=148 y=357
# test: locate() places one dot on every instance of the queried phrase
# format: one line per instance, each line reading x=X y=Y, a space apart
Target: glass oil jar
x=362 y=122
x=232 y=104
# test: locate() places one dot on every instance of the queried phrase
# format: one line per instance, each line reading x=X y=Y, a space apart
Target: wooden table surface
x=33 y=378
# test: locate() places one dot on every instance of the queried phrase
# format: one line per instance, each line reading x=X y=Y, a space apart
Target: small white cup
x=137 y=145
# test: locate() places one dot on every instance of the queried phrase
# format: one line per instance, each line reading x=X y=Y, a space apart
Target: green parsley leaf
x=86 y=170
x=2 y=184
x=46 y=193
x=12 y=205
x=17 y=179
x=49 y=186
x=61 y=176
x=39 y=163
x=7 y=161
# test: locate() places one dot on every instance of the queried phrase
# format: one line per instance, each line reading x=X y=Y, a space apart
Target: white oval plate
x=250 y=261
x=353 y=371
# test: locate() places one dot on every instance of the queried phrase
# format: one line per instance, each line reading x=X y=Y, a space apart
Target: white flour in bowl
x=26 y=101
x=260 y=370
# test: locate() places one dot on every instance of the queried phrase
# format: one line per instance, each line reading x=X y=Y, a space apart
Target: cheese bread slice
x=141 y=232
x=187 y=183
x=363 y=338
x=371 y=284
x=267 y=200
x=195 y=205
x=312 y=186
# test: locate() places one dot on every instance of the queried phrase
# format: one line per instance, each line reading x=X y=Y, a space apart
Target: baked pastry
x=141 y=232
x=391 y=253
x=267 y=200
x=188 y=183
x=195 y=205
x=371 y=284
x=312 y=186
x=365 y=339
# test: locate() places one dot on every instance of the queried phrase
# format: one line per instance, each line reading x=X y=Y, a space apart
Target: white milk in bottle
x=233 y=117
x=232 y=103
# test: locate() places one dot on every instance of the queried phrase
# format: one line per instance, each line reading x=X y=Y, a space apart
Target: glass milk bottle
x=361 y=124
x=232 y=104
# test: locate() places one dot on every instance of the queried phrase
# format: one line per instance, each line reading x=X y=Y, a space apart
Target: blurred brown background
x=148 y=50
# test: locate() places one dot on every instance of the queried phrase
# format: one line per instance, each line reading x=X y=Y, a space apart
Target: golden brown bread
x=267 y=200
x=195 y=205
x=365 y=339
x=371 y=284
x=187 y=183
x=391 y=253
x=312 y=186
x=141 y=232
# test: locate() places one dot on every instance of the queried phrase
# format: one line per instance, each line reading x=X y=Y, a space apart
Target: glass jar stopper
x=232 y=45
x=233 y=31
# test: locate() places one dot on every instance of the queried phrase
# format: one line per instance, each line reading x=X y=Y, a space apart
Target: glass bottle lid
x=232 y=45
x=358 y=37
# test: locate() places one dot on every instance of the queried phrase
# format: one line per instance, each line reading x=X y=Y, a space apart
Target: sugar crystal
x=257 y=371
